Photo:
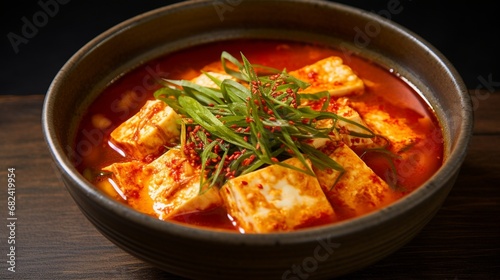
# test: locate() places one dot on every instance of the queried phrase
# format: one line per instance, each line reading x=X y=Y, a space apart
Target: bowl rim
x=338 y=229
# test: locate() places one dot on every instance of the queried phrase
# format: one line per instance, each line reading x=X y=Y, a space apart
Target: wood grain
x=55 y=241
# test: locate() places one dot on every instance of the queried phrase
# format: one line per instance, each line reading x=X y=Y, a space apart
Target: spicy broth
x=384 y=90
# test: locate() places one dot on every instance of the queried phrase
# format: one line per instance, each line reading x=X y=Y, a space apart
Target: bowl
x=320 y=252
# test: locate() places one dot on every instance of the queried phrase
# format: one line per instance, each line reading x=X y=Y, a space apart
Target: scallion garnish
x=242 y=126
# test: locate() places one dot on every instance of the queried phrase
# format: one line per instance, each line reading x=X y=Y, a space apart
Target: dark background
x=465 y=32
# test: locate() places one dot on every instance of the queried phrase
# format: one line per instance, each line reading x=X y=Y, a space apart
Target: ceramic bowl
x=321 y=252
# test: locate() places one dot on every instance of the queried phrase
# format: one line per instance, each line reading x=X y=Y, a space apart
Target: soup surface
x=404 y=149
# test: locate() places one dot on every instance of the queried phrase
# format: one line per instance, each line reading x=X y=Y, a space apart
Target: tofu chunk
x=359 y=190
x=276 y=198
x=401 y=131
x=166 y=187
x=332 y=75
x=175 y=187
x=148 y=131
x=204 y=80
x=347 y=112
x=130 y=181
x=398 y=131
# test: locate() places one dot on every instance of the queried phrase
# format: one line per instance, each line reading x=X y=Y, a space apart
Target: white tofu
x=175 y=187
x=399 y=130
x=332 y=75
x=276 y=198
x=130 y=180
x=349 y=113
x=165 y=187
x=204 y=80
x=359 y=190
x=148 y=131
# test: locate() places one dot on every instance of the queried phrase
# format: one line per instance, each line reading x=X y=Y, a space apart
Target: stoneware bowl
x=321 y=252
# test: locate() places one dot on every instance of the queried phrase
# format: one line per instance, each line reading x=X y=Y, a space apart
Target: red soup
x=326 y=138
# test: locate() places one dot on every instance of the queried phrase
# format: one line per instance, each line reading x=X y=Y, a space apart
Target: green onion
x=250 y=123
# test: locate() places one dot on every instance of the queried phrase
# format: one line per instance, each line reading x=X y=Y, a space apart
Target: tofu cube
x=276 y=198
x=130 y=180
x=174 y=187
x=401 y=131
x=148 y=131
x=165 y=187
x=332 y=75
x=347 y=112
x=204 y=80
x=359 y=190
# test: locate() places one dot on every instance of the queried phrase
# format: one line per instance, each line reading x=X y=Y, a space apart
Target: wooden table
x=55 y=241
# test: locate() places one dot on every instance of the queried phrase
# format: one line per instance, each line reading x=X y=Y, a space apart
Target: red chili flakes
x=343 y=130
x=312 y=75
x=132 y=194
x=148 y=159
x=334 y=107
x=248 y=161
x=196 y=128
